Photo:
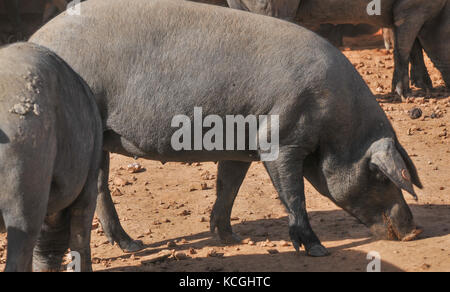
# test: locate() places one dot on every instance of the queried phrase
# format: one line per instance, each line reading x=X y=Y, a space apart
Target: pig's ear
x=386 y=157
x=411 y=167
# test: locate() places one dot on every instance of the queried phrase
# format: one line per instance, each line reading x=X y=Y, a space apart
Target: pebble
x=184 y=213
x=135 y=168
x=117 y=193
x=204 y=186
x=120 y=182
x=179 y=256
x=213 y=253
x=415 y=113
x=246 y=240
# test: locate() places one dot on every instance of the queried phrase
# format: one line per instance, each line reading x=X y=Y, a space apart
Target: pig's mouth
x=394 y=234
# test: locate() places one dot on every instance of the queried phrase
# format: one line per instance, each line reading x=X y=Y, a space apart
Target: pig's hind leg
x=107 y=213
x=52 y=244
x=230 y=176
x=24 y=207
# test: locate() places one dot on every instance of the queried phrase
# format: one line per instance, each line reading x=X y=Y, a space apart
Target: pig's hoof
x=318 y=250
x=230 y=238
x=131 y=246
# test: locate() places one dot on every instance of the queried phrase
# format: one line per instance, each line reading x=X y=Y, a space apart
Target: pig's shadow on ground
x=334 y=225
x=438 y=93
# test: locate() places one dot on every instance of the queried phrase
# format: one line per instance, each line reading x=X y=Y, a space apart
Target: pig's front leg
x=287 y=176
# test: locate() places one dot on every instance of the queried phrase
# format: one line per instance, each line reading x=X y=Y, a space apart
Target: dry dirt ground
x=166 y=208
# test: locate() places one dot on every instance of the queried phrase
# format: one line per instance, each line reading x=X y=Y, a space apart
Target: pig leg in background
x=388 y=36
x=287 y=176
x=230 y=176
x=107 y=213
x=419 y=73
x=406 y=31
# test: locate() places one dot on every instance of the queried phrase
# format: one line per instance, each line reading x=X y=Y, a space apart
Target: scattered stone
x=184 y=213
x=436 y=114
x=213 y=253
x=284 y=243
x=415 y=113
x=273 y=251
x=268 y=243
x=206 y=175
x=120 y=182
x=179 y=256
x=117 y=193
x=192 y=251
x=135 y=168
x=246 y=240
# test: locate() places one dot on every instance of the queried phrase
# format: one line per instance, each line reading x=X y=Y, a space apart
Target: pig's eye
x=378 y=174
x=381 y=177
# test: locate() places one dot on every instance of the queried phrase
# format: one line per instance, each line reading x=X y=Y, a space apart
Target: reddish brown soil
x=159 y=207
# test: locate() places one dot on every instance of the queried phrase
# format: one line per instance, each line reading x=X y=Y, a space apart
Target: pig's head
x=370 y=188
